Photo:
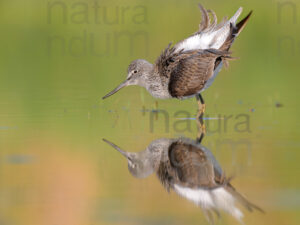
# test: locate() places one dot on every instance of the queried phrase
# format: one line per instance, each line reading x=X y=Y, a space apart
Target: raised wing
x=191 y=62
x=212 y=35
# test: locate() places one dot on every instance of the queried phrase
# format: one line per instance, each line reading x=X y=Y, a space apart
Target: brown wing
x=192 y=71
x=187 y=71
x=166 y=174
x=191 y=166
x=165 y=62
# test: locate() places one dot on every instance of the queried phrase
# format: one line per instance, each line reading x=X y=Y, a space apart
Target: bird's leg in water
x=200 y=136
x=201 y=129
x=201 y=105
x=199 y=118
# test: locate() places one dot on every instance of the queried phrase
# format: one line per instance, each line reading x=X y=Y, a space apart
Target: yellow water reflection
x=54 y=187
x=54 y=167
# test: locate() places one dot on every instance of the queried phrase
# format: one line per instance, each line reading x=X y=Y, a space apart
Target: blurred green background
x=58 y=58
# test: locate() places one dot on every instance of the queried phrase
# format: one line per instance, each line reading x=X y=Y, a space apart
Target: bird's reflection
x=190 y=169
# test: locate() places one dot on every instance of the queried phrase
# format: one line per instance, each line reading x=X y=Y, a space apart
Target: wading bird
x=190 y=66
x=191 y=170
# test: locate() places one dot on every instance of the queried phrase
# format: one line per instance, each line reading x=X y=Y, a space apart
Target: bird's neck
x=156 y=85
x=158 y=149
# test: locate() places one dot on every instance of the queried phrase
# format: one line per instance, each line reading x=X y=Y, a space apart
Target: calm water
x=56 y=170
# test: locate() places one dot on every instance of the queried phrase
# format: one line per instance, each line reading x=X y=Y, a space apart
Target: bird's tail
x=225 y=198
x=242 y=200
x=235 y=30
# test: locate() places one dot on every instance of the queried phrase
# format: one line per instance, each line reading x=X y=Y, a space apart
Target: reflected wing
x=192 y=167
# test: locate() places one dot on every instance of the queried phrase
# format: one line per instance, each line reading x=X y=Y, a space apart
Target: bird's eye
x=135 y=71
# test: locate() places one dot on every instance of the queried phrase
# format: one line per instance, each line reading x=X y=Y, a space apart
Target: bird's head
x=137 y=72
x=138 y=165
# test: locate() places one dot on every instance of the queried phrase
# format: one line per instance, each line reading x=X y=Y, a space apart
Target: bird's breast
x=158 y=88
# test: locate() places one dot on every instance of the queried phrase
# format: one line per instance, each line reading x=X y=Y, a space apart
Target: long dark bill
x=126 y=154
x=124 y=84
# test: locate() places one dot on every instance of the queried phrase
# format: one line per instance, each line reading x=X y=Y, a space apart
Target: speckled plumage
x=191 y=65
x=188 y=71
x=188 y=165
x=191 y=170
